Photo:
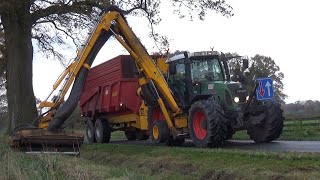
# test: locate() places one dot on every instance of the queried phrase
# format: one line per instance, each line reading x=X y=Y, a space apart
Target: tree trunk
x=19 y=54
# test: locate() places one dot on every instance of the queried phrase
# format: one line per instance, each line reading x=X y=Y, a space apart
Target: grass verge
x=111 y=161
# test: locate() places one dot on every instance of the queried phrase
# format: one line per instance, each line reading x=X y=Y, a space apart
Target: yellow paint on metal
x=139 y=91
x=86 y=66
x=142 y=81
x=122 y=118
x=166 y=115
x=162 y=65
x=46 y=104
x=144 y=62
x=181 y=122
x=155 y=132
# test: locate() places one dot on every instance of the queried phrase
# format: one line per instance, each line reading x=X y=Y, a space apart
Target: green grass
x=118 y=135
x=111 y=161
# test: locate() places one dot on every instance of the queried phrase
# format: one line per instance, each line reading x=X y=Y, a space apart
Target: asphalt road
x=275 y=146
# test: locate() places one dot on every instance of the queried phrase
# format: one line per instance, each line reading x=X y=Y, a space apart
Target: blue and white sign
x=265 y=89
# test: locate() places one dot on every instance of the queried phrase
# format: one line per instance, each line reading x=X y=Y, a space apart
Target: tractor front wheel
x=271 y=127
x=207 y=124
x=159 y=132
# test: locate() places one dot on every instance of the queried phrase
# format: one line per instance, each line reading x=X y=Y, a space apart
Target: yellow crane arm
x=113 y=22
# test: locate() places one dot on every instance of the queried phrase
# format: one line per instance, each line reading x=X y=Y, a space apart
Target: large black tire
x=90 y=131
x=142 y=135
x=102 y=131
x=159 y=132
x=130 y=135
x=157 y=124
x=230 y=133
x=207 y=124
x=271 y=127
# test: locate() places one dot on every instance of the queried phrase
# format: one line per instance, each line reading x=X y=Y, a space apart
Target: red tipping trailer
x=110 y=101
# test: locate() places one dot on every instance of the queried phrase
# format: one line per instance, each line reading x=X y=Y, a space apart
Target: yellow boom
x=151 y=80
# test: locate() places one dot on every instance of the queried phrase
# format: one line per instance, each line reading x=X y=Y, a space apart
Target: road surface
x=276 y=146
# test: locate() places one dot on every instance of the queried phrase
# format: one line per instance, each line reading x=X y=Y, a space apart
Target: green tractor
x=216 y=106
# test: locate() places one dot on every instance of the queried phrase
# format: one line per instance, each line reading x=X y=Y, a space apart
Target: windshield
x=206 y=70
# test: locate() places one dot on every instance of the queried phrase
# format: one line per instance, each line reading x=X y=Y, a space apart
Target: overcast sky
x=286 y=30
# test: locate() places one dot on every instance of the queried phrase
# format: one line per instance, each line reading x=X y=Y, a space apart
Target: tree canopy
x=260 y=67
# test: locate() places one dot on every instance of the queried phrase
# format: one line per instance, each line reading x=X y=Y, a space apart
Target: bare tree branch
x=80 y=7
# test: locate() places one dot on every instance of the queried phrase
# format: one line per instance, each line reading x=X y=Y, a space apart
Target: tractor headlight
x=247 y=98
x=236 y=99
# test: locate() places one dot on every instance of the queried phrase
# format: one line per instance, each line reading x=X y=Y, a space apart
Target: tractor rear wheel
x=271 y=127
x=90 y=131
x=207 y=124
x=102 y=131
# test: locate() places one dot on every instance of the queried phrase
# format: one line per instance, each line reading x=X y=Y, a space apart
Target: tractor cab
x=200 y=75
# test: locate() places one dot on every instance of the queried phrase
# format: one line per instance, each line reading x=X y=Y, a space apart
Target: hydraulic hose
x=66 y=109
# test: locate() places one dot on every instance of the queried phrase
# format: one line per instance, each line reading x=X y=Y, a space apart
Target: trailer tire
x=207 y=124
x=130 y=135
x=272 y=126
x=102 y=131
x=90 y=131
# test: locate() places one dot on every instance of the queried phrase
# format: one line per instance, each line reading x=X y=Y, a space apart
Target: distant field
x=111 y=161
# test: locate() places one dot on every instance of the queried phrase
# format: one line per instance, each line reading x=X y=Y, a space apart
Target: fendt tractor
x=212 y=106
x=203 y=106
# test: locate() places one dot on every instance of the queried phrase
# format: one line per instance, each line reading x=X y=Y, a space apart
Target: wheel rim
x=89 y=132
x=199 y=121
x=98 y=133
x=155 y=132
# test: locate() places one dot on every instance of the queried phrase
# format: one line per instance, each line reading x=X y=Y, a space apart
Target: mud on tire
x=271 y=127
x=207 y=124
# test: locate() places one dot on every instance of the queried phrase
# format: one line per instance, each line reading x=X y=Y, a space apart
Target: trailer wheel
x=207 y=124
x=90 y=131
x=160 y=132
x=130 y=135
x=271 y=127
x=142 y=135
x=102 y=131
